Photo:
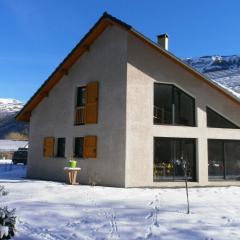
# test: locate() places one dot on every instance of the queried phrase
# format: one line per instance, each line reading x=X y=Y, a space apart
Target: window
x=85 y=147
x=173 y=106
x=223 y=159
x=81 y=96
x=169 y=156
x=61 y=147
x=80 y=106
x=78 y=149
x=86 y=111
x=215 y=120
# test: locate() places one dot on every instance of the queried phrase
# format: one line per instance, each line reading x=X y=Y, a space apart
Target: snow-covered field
x=51 y=210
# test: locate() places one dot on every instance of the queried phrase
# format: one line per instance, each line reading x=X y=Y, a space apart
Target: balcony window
x=173 y=106
x=80 y=106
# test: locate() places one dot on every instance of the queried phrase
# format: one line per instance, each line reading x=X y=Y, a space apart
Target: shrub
x=7 y=219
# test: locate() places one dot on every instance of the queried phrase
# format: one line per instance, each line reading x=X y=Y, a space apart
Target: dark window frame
x=80 y=104
x=194 y=169
x=210 y=110
x=81 y=156
x=60 y=153
x=174 y=87
x=224 y=177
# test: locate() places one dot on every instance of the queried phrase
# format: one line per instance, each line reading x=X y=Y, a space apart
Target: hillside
x=224 y=70
x=8 y=110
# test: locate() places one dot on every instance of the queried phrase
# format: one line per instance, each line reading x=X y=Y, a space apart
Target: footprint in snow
x=148 y=235
x=151 y=203
x=150 y=215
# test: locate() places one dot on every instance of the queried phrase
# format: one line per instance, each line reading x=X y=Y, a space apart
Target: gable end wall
x=146 y=66
x=105 y=62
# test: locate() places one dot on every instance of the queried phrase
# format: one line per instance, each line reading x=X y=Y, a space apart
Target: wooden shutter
x=92 y=103
x=90 y=147
x=48 y=147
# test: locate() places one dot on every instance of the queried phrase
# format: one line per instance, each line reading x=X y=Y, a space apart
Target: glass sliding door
x=215 y=159
x=169 y=156
x=232 y=159
x=223 y=159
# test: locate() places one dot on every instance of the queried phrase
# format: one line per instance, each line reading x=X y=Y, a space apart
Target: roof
x=84 y=44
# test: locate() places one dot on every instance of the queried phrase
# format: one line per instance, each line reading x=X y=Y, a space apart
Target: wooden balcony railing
x=80 y=115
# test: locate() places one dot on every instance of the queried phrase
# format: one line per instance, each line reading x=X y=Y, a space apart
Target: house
x=132 y=114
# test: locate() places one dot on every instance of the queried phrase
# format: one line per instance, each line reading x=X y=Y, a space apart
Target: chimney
x=163 y=41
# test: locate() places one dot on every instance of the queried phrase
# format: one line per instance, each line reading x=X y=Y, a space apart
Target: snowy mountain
x=224 y=70
x=8 y=105
x=8 y=110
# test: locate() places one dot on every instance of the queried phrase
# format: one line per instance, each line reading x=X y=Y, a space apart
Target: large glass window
x=223 y=159
x=173 y=106
x=215 y=120
x=170 y=156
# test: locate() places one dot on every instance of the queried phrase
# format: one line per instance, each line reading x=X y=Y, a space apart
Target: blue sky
x=37 y=35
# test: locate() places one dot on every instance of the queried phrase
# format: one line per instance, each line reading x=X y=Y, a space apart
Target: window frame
x=76 y=106
x=224 y=177
x=173 y=142
x=74 y=148
x=174 y=86
x=57 y=148
x=222 y=116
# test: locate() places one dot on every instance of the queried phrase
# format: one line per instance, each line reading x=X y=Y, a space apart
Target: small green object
x=72 y=164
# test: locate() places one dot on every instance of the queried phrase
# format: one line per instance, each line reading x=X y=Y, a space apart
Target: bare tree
x=185 y=170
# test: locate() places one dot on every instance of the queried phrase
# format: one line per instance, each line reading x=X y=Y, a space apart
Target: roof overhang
x=84 y=45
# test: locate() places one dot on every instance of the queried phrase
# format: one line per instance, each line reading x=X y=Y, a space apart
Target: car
x=20 y=156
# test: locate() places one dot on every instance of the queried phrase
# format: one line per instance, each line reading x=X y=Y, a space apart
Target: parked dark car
x=20 y=156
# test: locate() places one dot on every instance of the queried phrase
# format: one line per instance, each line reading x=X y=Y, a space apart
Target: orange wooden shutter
x=92 y=103
x=48 y=147
x=90 y=147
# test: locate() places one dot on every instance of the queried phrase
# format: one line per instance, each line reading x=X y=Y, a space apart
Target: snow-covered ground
x=51 y=210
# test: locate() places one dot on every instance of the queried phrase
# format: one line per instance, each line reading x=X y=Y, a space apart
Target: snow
x=3 y=231
x=11 y=145
x=10 y=105
x=49 y=210
x=223 y=70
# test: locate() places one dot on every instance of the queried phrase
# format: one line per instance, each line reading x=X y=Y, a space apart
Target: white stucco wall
x=126 y=70
x=54 y=116
x=146 y=66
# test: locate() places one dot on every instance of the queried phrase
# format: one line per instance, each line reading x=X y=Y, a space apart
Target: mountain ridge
x=223 y=70
x=9 y=107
